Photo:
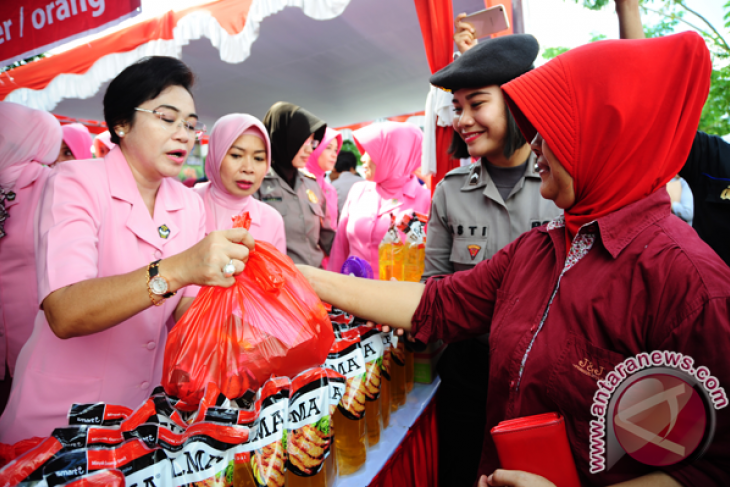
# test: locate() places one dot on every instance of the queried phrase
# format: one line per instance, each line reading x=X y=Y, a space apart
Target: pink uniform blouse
x=18 y=285
x=266 y=223
x=366 y=217
x=94 y=223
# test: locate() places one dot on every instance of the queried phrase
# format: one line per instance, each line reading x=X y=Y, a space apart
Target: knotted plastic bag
x=269 y=322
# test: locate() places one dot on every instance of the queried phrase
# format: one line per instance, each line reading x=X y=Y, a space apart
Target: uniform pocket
x=316 y=209
x=468 y=251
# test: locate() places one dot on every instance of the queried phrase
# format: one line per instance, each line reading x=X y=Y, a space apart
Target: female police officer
x=292 y=190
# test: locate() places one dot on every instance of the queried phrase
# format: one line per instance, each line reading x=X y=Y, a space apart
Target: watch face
x=158 y=285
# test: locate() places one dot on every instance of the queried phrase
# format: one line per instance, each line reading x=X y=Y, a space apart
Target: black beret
x=491 y=62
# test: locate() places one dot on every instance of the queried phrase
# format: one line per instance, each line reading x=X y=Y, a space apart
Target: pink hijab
x=395 y=148
x=225 y=132
x=330 y=193
x=78 y=139
x=27 y=136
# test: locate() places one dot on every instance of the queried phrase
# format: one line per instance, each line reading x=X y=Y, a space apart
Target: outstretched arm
x=388 y=302
x=629 y=19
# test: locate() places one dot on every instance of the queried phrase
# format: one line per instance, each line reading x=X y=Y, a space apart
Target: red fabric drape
x=415 y=462
x=437 y=27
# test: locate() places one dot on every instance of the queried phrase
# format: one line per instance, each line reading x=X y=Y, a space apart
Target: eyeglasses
x=169 y=121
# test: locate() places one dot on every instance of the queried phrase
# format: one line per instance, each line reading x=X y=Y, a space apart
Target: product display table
x=407 y=454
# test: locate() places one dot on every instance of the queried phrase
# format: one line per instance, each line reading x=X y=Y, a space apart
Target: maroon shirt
x=648 y=283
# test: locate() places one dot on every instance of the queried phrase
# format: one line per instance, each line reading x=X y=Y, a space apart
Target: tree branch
x=723 y=44
x=696 y=14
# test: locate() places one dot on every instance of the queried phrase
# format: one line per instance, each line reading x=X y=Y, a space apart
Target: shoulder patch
x=308 y=174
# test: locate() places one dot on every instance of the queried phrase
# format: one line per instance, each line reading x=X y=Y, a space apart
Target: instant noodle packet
x=138 y=464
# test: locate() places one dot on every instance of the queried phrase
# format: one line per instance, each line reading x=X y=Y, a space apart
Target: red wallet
x=537 y=444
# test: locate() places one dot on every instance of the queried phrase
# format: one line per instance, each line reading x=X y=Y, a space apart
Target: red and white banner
x=29 y=27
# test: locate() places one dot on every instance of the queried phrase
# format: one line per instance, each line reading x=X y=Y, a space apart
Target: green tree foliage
x=716 y=113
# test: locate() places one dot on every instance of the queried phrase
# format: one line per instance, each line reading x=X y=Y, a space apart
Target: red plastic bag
x=269 y=322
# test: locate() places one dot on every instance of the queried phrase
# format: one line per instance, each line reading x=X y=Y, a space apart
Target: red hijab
x=619 y=115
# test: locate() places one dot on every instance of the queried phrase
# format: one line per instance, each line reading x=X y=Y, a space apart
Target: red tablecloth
x=415 y=461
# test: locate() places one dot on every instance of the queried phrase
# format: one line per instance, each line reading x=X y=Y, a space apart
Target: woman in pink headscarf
x=239 y=156
x=22 y=178
x=76 y=143
x=323 y=159
x=391 y=151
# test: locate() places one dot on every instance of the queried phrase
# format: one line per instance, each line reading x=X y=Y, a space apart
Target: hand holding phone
x=487 y=22
x=464 y=37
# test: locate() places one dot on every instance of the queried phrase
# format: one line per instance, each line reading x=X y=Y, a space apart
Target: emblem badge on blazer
x=473 y=250
x=725 y=195
x=312 y=197
x=164 y=231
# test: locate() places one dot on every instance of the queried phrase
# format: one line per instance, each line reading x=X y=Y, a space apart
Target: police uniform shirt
x=309 y=234
x=470 y=221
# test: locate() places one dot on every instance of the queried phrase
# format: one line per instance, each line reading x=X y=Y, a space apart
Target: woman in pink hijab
x=323 y=159
x=391 y=151
x=239 y=156
x=76 y=143
x=22 y=178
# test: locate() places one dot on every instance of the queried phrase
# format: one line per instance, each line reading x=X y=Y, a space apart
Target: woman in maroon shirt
x=616 y=276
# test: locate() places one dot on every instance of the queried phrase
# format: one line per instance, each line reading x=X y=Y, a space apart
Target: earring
x=121 y=133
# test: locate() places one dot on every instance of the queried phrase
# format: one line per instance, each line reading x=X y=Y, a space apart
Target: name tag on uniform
x=267 y=199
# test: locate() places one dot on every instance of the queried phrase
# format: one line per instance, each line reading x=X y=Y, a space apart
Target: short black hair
x=512 y=141
x=345 y=161
x=142 y=81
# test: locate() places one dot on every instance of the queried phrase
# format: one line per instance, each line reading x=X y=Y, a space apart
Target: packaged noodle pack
x=309 y=429
x=269 y=322
x=133 y=461
x=372 y=347
x=98 y=414
x=346 y=358
x=29 y=469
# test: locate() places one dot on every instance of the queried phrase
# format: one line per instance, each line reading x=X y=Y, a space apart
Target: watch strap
x=153 y=270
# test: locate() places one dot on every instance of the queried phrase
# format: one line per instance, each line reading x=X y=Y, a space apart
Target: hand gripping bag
x=269 y=322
